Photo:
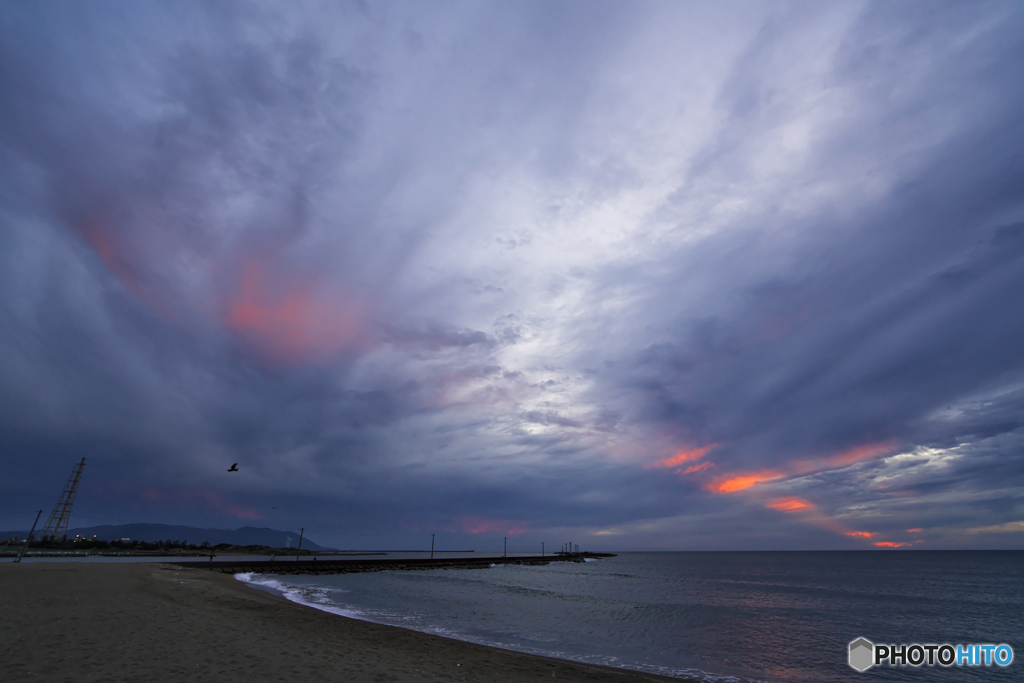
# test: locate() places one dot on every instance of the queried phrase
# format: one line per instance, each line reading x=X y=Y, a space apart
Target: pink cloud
x=477 y=525
x=289 y=322
x=190 y=499
x=697 y=468
x=863 y=452
x=681 y=456
x=730 y=483
x=790 y=504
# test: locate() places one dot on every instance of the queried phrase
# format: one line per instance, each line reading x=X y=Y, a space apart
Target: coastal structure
x=57 y=523
x=335 y=566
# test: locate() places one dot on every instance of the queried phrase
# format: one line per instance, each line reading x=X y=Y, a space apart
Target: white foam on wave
x=318 y=598
x=259 y=580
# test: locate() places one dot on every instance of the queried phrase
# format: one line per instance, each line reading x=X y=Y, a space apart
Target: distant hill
x=247 y=535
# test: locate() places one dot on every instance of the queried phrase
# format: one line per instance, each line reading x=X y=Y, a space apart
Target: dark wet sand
x=66 y=621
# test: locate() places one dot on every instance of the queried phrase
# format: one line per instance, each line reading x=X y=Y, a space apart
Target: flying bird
x=233 y=468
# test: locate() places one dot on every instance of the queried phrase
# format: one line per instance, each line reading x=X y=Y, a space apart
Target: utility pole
x=431 y=546
x=301 y=532
x=57 y=523
x=29 y=538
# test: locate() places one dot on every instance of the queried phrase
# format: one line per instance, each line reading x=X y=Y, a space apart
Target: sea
x=717 y=617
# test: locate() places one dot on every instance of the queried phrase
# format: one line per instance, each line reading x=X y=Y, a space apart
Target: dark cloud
x=664 y=276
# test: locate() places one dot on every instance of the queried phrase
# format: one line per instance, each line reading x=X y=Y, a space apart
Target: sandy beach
x=66 y=621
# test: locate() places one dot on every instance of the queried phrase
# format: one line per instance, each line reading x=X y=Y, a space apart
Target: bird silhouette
x=233 y=468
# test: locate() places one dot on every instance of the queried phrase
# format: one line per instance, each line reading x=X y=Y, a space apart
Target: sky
x=638 y=276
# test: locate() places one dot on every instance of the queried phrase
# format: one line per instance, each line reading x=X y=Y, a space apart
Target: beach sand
x=67 y=621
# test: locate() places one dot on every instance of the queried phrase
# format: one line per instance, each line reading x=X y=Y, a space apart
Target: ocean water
x=722 y=616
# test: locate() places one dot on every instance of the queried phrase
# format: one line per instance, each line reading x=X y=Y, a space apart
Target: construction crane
x=57 y=523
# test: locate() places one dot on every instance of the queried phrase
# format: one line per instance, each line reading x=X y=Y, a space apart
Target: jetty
x=288 y=565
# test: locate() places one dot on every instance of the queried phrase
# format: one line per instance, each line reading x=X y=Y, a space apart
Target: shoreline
x=294 y=593
x=162 y=622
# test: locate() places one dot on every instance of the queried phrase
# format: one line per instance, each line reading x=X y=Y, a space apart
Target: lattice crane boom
x=57 y=522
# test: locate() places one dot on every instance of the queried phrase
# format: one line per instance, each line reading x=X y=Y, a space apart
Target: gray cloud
x=482 y=268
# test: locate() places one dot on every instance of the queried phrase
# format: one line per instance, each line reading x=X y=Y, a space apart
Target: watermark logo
x=864 y=654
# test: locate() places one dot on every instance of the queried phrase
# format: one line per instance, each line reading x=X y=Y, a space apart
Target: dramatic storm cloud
x=636 y=275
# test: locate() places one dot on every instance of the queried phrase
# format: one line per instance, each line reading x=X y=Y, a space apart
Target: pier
x=288 y=565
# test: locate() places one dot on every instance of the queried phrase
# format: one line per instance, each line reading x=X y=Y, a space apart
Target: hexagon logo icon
x=862 y=654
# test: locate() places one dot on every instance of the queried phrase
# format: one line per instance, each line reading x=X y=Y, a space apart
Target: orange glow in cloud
x=475 y=525
x=289 y=326
x=733 y=483
x=913 y=531
x=842 y=459
x=862 y=452
x=808 y=513
x=683 y=456
x=790 y=504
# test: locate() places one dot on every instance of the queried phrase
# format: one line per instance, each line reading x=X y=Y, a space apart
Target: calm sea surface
x=740 y=616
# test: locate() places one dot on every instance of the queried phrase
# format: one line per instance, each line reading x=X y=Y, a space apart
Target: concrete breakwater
x=337 y=566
